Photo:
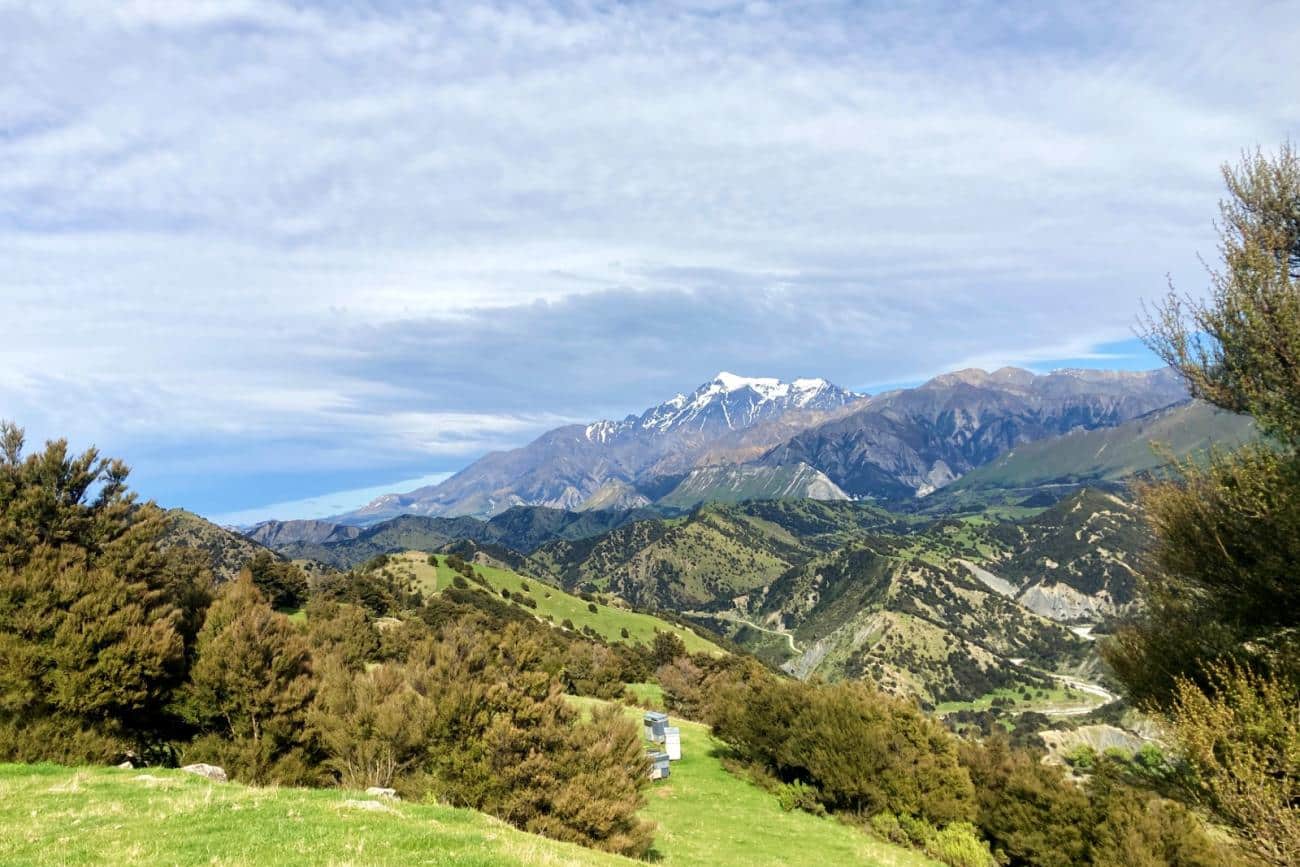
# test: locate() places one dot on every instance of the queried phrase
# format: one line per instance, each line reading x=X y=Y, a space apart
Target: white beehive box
x=673 y=743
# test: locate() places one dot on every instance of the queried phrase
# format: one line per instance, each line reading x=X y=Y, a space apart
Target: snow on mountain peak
x=735 y=402
x=731 y=382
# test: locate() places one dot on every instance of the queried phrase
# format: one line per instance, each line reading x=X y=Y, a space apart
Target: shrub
x=1081 y=758
x=887 y=827
x=342 y=630
x=959 y=845
x=1242 y=743
x=459 y=582
x=567 y=623
x=523 y=585
x=591 y=606
x=375 y=730
x=798 y=795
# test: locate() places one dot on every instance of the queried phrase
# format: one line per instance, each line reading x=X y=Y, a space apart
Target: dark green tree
x=667 y=647
x=249 y=689
x=94 y=615
x=281 y=582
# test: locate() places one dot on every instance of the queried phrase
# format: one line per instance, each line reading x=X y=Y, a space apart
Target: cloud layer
x=266 y=249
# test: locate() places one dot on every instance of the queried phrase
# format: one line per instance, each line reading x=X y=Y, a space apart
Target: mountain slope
x=732 y=484
x=1110 y=454
x=729 y=418
x=908 y=443
x=226 y=550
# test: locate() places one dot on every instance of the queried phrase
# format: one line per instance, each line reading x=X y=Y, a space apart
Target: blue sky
x=269 y=251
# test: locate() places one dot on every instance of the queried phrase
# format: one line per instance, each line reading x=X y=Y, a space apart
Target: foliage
x=863 y=751
x=1238 y=349
x=1032 y=815
x=281 y=582
x=1218 y=649
x=507 y=742
x=344 y=631
x=798 y=795
x=374 y=728
x=667 y=647
x=94 y=617
x=249 y=689
x=1242 y=741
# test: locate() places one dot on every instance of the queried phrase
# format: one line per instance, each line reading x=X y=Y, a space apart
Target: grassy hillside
x=553 y=603
x=707 y=815
x=51 y=815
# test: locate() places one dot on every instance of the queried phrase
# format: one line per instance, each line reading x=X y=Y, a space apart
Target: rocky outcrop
x=1063 y=603
x=210 y=772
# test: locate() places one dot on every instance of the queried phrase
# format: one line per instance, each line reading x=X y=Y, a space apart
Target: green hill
x=552 y=603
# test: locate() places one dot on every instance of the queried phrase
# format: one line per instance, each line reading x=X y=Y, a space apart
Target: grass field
x=607 y=620
x=51 y=815
x=707 y=815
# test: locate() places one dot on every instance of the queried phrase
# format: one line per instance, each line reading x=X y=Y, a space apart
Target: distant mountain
x=909 y=443
x=737 y=437
x=728 y=419
x=277 y=534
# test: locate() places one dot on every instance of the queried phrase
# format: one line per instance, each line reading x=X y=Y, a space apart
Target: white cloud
x=221 y=216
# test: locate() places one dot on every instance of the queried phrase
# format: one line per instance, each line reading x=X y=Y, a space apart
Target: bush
x=96 y=620
x=959 y=845
x=459 y=582
x=1081 y=758
x=523 y=585
x=591 y=606
x=1242 y=743
x=375 y=730
x=887 y=827
x=567 y=623
x=798 y=795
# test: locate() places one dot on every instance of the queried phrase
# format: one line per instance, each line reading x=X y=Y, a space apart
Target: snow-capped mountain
x=726 y=420
x=727 y=403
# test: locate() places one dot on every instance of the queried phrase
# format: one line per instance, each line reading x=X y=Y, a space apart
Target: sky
x=286 y=255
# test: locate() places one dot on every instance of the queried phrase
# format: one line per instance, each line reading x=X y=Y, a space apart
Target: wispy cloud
x=338 y=239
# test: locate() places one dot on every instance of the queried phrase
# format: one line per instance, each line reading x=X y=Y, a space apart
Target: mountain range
x=737 y=438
